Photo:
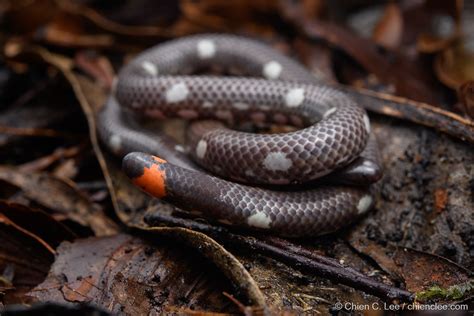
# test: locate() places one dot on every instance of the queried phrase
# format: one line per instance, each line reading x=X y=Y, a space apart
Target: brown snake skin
x=333 y=138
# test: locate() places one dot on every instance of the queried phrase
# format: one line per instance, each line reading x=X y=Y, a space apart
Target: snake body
x=333 y=141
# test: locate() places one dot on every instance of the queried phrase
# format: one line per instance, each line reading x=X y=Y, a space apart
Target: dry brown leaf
x=62 y=196
x=66 y=30
x=27 y=257
x=98 y=67
x=466 y=96
x=128 y=275
x=27 y=16
x=32 y=116
x=418 y=270
x=455 y=65
x=37 y=222
x=389 y=30
x=408 y=77
x=46 y=161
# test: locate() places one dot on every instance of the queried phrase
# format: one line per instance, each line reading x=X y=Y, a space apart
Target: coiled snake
x=332 y=153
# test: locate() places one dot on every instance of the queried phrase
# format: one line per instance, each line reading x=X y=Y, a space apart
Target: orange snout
x=147 y=172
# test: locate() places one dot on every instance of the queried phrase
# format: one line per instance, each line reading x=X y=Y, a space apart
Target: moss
x=454 y=292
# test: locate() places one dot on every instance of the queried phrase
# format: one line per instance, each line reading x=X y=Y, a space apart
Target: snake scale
x=309 y=181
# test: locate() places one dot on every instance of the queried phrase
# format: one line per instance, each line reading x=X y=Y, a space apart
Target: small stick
x=414 y=111
x=324 y=267
x=288 y=245
x=36 y=132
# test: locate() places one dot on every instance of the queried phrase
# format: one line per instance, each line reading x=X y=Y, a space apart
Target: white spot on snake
x=272 y=70
x=178 y=92
x=206 y=49
x=329 y=112
x=188 y=114
x=179 y=148
x=367 y=163
x=241 y=106
x=150 y=68
x=364 y=204
x=207 y=104
x=265 y=107
x=260 y=220
x=201 y=149
x=277 y=161
x=115 y=143
x=294 y=97
x=367 y=123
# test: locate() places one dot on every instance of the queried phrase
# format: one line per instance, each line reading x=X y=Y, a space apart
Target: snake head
x=147 y=172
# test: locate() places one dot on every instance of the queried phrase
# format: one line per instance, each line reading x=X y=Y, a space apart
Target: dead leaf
x=317 y=58
x=441 y=199
x=417 y=269
x=67 y=31
x=28 y=16
x=128 y=275
x=30 y=116
x=466 y=96
x=454 y=66
x=46 y=161
x=36 y=222
x=52 y=309
x=61 y=196
x=96 y=66
x=27 y=255
x=388 y=31
x=407 y=76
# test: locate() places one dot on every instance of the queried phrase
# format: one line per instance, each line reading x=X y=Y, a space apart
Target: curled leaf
x=389 y=30
x=455 y=66
x=466 y=97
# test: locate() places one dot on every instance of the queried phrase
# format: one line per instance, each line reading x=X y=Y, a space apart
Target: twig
x=283 y=243
x=245 y=310
x=46 y=161
x=35 y=132
x=33 y=93
x=292 y=256
x=417 y=112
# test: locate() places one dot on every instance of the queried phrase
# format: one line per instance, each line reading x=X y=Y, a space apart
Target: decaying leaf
x=455 y=65
x=418 y=270
x=466 y=96
x=388 y=32
x=62 y=196
x=25 y=259
x=52 y=309
x=37 y=222
x=132 y=276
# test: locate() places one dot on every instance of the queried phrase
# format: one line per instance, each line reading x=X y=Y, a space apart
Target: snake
x=313 y=178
